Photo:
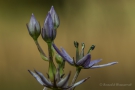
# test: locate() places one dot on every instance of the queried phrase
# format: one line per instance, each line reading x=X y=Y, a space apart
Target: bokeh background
x=108 y=24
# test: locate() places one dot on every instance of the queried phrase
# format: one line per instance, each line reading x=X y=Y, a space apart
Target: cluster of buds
x=56 y=79
x=49 y=28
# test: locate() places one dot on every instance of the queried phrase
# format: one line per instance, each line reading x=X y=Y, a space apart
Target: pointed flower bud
x=55 y=18
x=34 y=27
x=48 y=32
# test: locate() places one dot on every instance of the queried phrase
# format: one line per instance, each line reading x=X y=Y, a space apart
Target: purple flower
x=48 y=32
x=59 y=82
x=85 y=62
x=55 y=18
x=34 y=27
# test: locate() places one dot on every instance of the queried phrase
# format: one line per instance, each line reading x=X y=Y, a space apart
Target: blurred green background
x=108 y=24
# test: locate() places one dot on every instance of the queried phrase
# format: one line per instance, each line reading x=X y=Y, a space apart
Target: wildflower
x=55 y=18
x=85 y=62
x=48 y=32
x=34 y=27
x=59 y=83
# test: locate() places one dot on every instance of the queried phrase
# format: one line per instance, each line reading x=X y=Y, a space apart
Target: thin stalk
x=50 y=51
x=39 y=48
x=42 y=54
x=75 y=77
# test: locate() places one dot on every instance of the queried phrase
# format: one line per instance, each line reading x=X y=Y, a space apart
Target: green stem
x=50 y=51
x=39 y=48
x=52 y=68
x=89 y=51
x=75 y=77
x=43 y=56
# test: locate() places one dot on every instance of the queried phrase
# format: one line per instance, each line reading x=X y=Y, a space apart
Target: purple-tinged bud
x=48 y=32
x=55 y=18
x=34 y=27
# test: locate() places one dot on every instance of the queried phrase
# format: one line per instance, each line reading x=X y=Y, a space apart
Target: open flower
x=85 y=62
x=59 y=83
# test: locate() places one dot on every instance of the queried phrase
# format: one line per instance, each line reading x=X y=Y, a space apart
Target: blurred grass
x=107 y=24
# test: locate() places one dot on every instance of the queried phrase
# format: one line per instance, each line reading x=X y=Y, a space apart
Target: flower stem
x=39 y=48
x=42 y=54
x=75 y=77
x=50 y=51
x=52 y=68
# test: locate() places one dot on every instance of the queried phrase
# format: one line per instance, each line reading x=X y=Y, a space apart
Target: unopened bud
x=55 y=18
x=48 y=32
x=34 y=27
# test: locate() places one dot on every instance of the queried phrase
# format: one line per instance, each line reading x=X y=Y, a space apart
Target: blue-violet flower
x=48 y=32
x=85 y=62
x=55 y=18
x=59 y=83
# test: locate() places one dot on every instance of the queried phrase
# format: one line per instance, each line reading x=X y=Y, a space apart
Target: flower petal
x=48 y=32
x=80 y=82
x=64 y=55
x=64 y=81
x=69 y=59
x=37 y=77
x=93 y=62
x=104 y=65
x=57 y=75
x=82 y=61
x=48 y=83
x=48 y=24
x=87 y=62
